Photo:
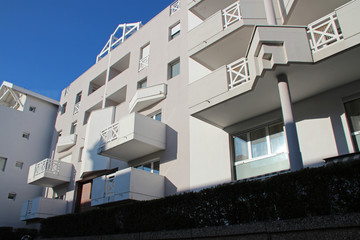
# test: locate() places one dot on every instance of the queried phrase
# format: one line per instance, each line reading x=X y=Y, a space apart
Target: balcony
x=65 y=142
x=127 y=184
x=49 y=173
x=132 y=137
x=146 y=97
x=40 y=207
x=229 y=29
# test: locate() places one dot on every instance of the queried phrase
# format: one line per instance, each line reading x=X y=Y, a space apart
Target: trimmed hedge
x=320 y=191
x=8 y=233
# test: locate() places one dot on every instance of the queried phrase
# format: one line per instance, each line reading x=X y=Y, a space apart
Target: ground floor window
x=153 y=167
x=260 y=151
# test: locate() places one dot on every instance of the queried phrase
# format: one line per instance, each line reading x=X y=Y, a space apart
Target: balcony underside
x=305 y=80
x=49 y=180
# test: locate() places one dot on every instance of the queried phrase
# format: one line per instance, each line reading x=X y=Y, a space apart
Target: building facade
x=205 y=93
x=26 y=129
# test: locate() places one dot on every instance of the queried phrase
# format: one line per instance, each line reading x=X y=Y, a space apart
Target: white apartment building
x=27 y=125
x=207 y=92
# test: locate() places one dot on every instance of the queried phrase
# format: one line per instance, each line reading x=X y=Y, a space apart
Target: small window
x=81 y=152
x=156 y=116
x=63 y=108
x=153 y=167
x=78 y=97
x=12 y=196
x=32 y=109
x=73 y=127
x=59 y=133
x=174 y=31
x=3 y=164
x=174 y=68
x=66 y=91
x=19 y=164
x=142 y=83
x=26 y=135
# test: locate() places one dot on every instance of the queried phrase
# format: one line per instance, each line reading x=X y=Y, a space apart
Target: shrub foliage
x=320 y=191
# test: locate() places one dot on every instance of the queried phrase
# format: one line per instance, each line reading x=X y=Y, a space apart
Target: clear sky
x=47 y=44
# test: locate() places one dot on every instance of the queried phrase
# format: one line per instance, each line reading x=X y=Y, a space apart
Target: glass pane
x=353 y=113
x=241 y=147
x=147 y=167
x=258 y=143
x=156 y=166
x=2 y=164
x=175 y=69
x=158 y=117
x=277 y=138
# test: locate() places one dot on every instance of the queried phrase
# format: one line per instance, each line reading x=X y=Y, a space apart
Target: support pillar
x=270 y=12
x=289 y=123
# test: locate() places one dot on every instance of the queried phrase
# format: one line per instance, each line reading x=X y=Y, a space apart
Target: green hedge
x=320 y=191
x=8 y=233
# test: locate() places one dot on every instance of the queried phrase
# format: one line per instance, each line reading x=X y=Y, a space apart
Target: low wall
x=325 y=227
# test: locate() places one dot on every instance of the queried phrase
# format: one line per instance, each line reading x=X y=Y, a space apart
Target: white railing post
x=109 y=186
x=231 y=14
x=238 y=72
x=324 y=31
x=174 y=7
x=47 y=165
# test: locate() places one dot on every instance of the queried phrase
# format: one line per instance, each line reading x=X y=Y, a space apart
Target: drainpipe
x=270 y=12
x=289 y=123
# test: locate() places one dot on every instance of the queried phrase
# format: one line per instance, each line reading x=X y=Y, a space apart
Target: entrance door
x=83 y=198
x=352 y=109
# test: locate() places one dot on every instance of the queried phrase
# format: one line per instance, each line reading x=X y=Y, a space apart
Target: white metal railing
x=109 y=186
x=231 y=14
x=238 y=72
x=324 y=32
x=47 y=165
x=143 y=63
x=174 y=7
x=76 y=108
x=110 y=133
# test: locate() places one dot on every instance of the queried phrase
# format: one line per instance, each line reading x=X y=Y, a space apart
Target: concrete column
x=270 y=12
x=289 y=123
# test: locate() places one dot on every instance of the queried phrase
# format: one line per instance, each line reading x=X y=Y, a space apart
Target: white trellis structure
x=109 y=186
x=143 y=63
x=47 y=165
x=110 y=134
x=76 y=108
x=174 y=7
x=238 y=72
x=231 y=14
x=324 y=31
x=10 y=97
x=121 y=33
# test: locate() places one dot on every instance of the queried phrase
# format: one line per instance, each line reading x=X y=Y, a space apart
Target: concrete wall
x=14 y=147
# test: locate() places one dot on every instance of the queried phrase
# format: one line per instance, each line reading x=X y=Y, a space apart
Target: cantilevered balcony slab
x=66 y=142
x=127 y=184
x=39 y=208
x=145 y=97
x=49 y=173
x=132 y=137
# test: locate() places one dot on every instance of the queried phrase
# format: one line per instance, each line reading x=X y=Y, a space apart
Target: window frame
x=175 y=34
x=152 y=163
x=32 y=109
x=26 y=135
x=140 y=83
x=63 y=108
x=73 y=127
x=171 y=68
x=3 y=161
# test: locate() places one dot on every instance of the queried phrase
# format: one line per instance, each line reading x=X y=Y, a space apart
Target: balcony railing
x=238 y=72
x=231 y=14
x=40 y=207
x=76 y=108
x=143 y=63
x=47 y=165
x=174 y=7
x=324 y=31
x=109 y=134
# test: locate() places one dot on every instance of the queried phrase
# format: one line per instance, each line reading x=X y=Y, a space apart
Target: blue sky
x=47 y=44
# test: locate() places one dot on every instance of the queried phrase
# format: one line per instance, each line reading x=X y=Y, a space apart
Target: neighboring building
x=27 y=125
x=200 y=96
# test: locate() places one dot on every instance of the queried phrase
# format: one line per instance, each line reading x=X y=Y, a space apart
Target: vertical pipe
x=270 y=12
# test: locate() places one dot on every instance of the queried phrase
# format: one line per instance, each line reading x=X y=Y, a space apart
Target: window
x=26 y=135
x=153 y=167
x=12 y=196
x=156 y=116
x=260 y=143
x=3 y=164
x=81 y=152
x=63 y=108
x=174 y=31
x=73 y=127
x=174 y=68
x=66 y=91
x=19 y=164
x=352 y=110
x=78 y=97
x=32 y=109
x=144 y=57
x=59 y=133
x=142 y=83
